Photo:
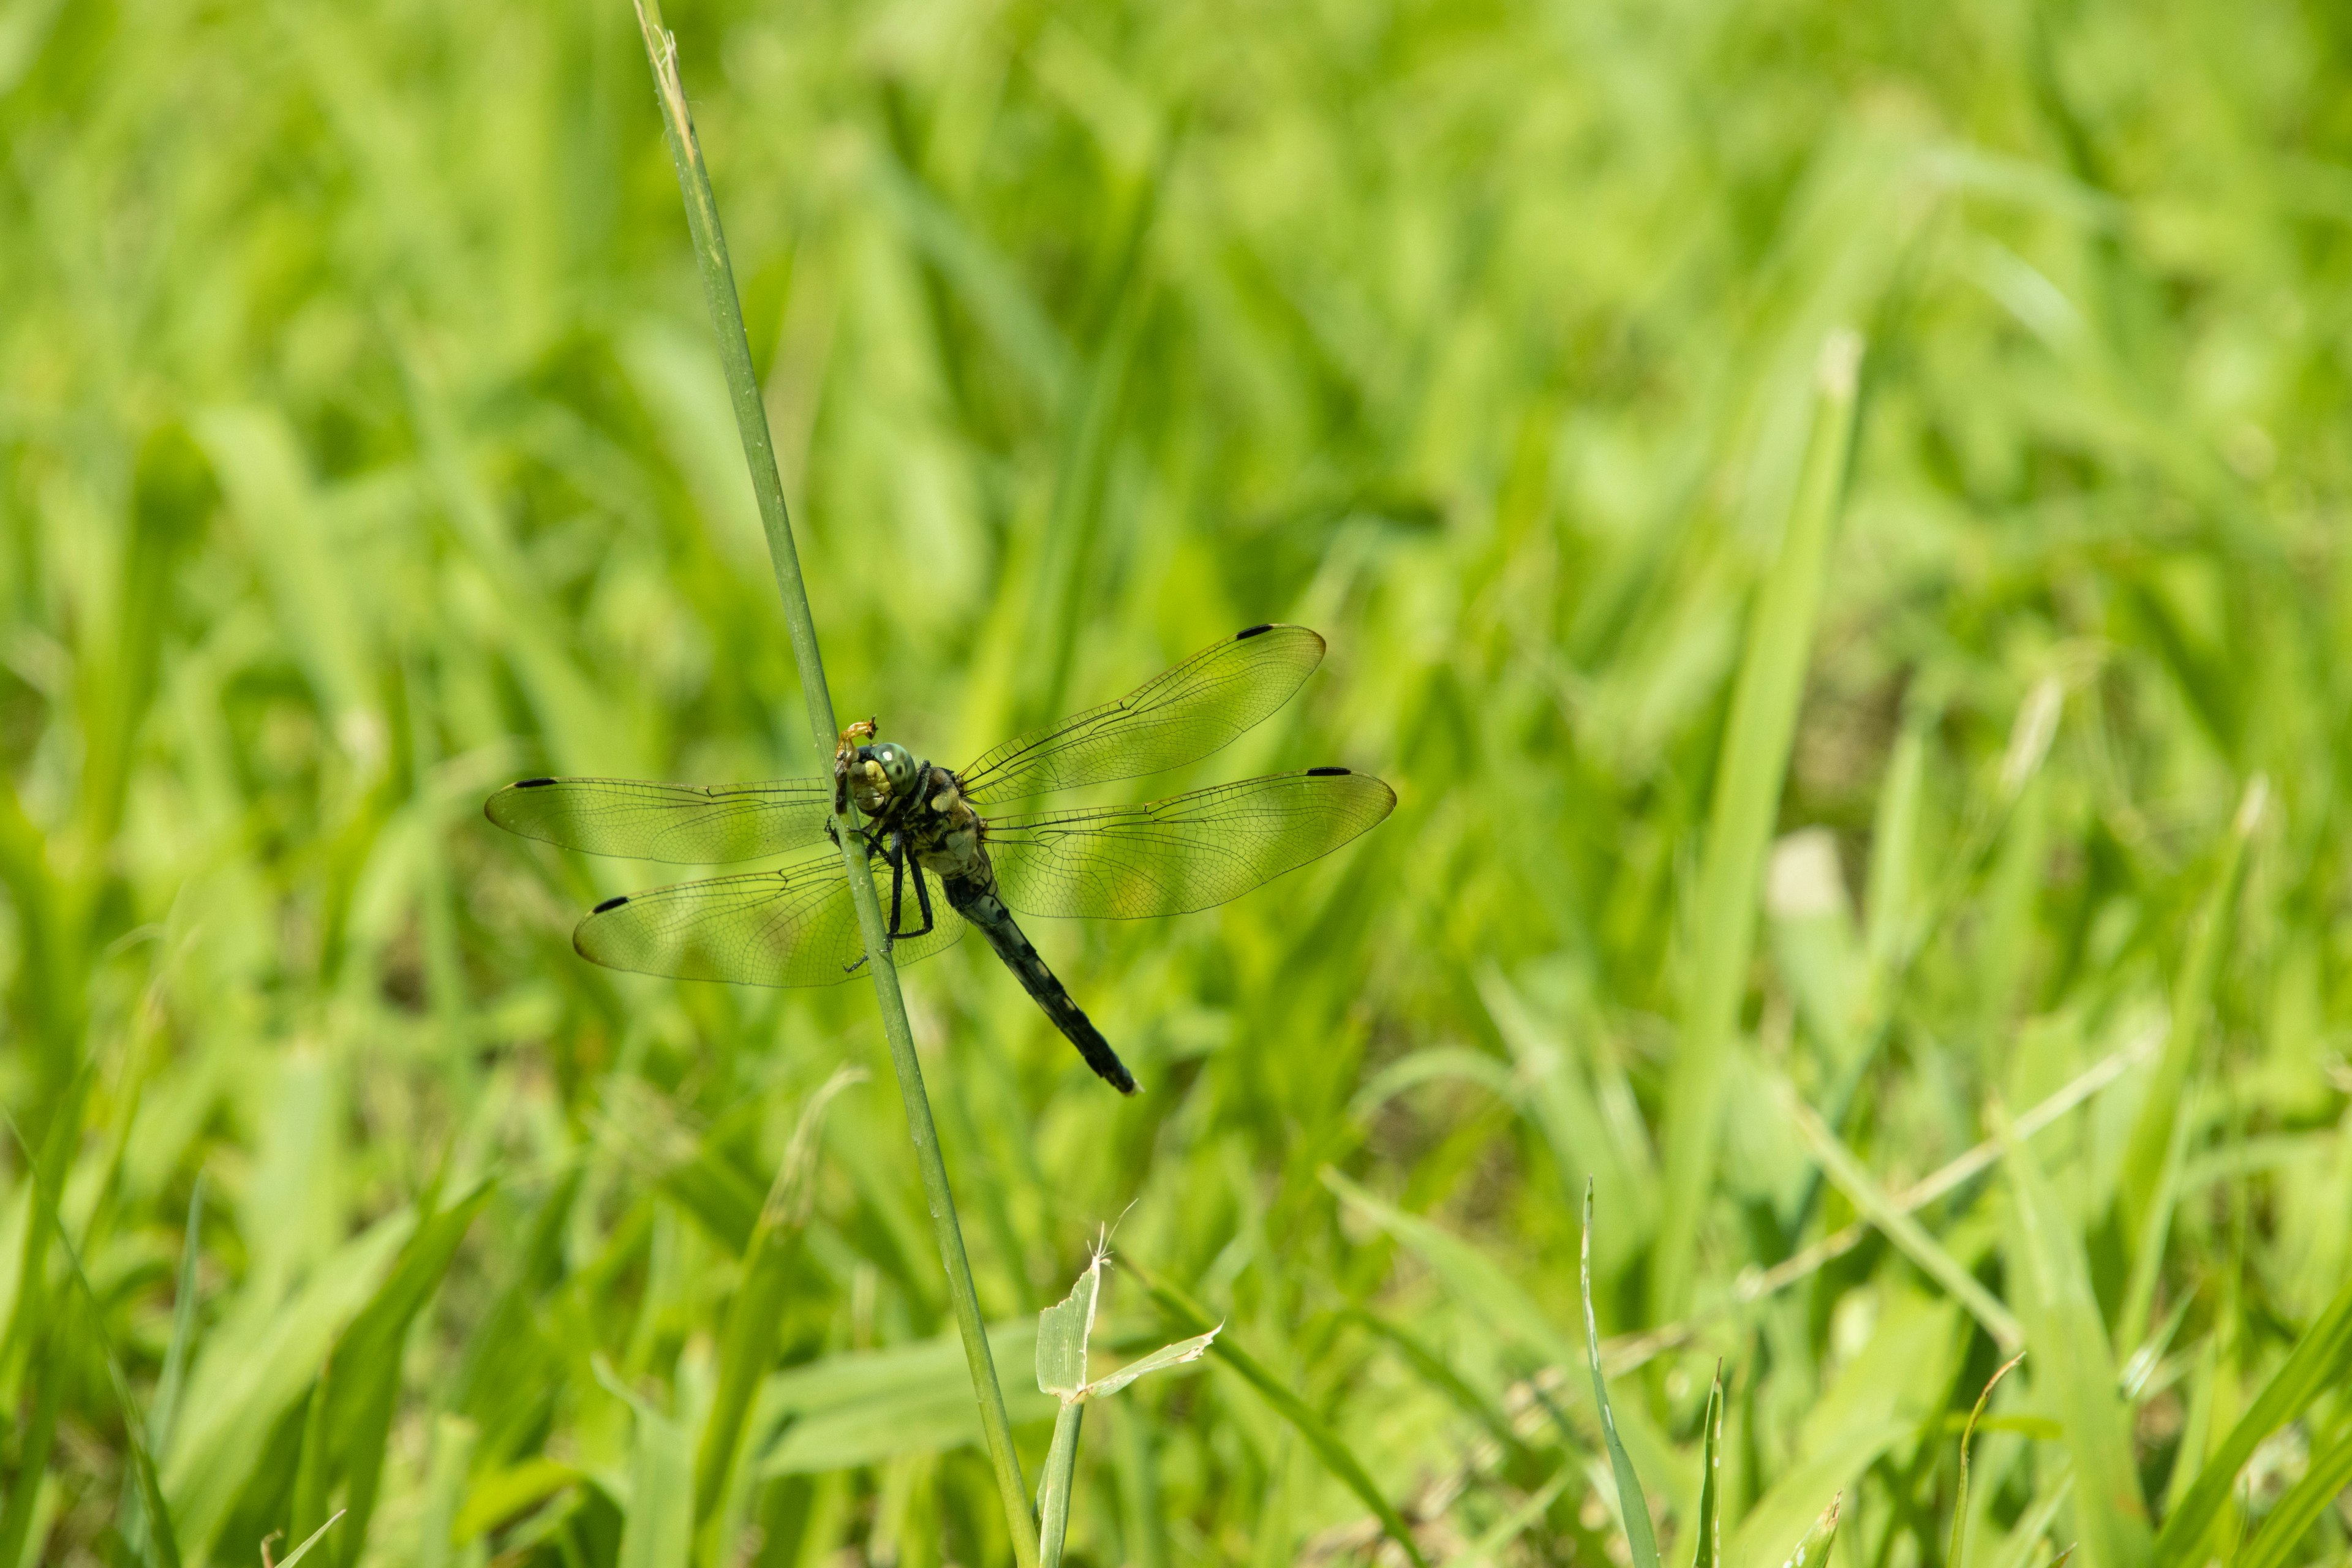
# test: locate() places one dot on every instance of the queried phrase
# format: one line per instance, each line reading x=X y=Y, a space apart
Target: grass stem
x=1054 y=1491
x=759 y=453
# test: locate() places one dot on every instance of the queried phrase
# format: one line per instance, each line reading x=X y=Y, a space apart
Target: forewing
x=1176 y=717
x=795 y=926
x=1189 y=851
x=690 y=823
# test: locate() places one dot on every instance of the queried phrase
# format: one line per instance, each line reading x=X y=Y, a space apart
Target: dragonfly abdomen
x=977 y=902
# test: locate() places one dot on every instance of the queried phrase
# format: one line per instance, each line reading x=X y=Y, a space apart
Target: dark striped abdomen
x=978 y=903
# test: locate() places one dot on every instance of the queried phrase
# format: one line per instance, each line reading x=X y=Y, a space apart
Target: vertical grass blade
x=147 y=1524
x=1640 y=1538
x=166 y=1407
x=1707 y=1530
x=658 y=1532
x=759 y=453
x=2145 y=1187
x=1142 y=1512
x=444 y=1489
x=1748 y=777
x=755 y=1318
x=1053 y=1487
x=2062 y=1316
x=362 y=1385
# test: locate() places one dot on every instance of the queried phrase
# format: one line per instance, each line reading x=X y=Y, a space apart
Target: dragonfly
x=955 y=860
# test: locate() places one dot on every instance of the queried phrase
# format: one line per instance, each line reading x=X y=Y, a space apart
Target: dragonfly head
x=883 y=774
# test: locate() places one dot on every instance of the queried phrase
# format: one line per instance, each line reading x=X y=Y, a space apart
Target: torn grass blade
x=1064 y=1329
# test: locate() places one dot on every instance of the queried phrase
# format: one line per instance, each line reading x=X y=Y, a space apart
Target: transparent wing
x=692 y=823
x=1188 y=852
x=795 y=926
x=1174 y=718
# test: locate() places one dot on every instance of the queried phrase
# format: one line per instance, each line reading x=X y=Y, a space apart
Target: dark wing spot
x=1253 y=631
x=1326 y=772
x=531 y=784
x=610 y=904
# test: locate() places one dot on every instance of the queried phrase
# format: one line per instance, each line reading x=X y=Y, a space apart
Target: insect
x=951 y=865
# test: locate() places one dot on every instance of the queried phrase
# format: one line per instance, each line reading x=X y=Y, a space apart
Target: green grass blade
x=445 y=1470
x=2290 y=1519
x=1053 y=1483
x=309 y=1541
x=2024 y=1541
x=1327 y=1445
x=1706 y=1529
x=1183 y=1352
x=1813 y=1550
x=755 y=1319
x=2077 y=1365
x=1434 y=1370
x=1481 y=1283
x=243 y=1383
x=362 y=1382
x=1906 y=1233
x=2147 y=1186
x=1504 y=1303
x=1640 y=1539
x=1747 y=786
x=860 y=1407
x=312 y=1475
x=659 y=1528
x=2321 y=1360
x=148 y=1523
x=1492 y=1541
x=166 y=1407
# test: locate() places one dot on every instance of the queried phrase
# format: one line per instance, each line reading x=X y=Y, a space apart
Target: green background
x=363 y=447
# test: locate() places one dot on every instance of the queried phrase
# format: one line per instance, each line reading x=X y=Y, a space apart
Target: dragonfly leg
x=897 y=855
x=923 y=899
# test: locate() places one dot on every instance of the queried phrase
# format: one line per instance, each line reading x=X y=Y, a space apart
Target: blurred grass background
x=362 y=448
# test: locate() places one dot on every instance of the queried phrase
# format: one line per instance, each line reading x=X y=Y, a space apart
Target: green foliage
x=361 y=449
